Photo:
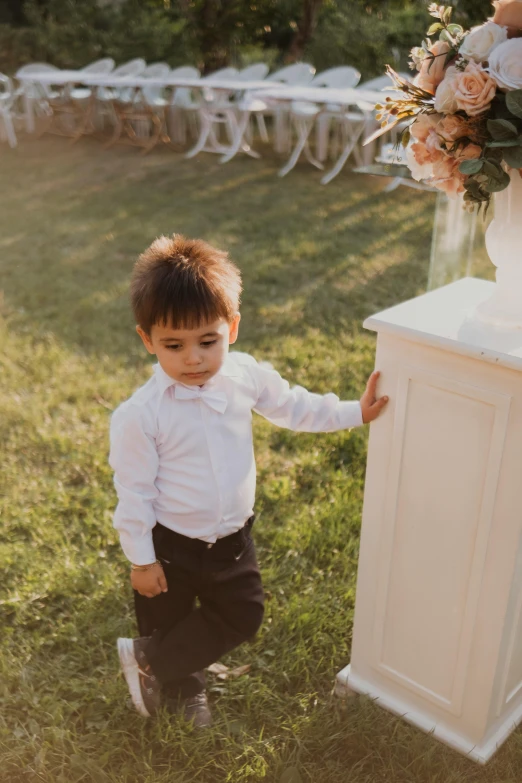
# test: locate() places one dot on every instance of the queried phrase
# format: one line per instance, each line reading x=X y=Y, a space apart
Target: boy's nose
x=193 y=357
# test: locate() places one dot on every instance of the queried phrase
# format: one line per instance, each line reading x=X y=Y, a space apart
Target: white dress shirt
x=183 y=455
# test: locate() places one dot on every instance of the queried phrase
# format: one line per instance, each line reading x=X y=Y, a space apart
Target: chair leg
x=321 y=135
x=9 y=130
x=352 y=135
x=303 y=128
x=262 y=128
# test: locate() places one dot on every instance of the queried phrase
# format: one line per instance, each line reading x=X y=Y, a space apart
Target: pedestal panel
x=446 y=454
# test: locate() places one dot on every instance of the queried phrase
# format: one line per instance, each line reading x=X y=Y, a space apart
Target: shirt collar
x=228 y=369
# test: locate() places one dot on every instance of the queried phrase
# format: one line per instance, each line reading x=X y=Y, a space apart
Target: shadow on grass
x=74 y=221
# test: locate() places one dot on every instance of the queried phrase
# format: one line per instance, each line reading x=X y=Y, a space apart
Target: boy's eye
x=210 y=342
x=172 y=347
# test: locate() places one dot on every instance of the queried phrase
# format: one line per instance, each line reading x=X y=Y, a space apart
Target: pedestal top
x=444 y=319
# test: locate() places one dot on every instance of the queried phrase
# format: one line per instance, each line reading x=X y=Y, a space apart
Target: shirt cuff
x=350 y=414
x=139 y=551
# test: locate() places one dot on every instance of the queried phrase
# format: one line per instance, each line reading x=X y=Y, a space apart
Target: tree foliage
x=213 y=33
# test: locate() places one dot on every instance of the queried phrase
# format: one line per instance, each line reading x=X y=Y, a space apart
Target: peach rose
x=447 y=177
x=508 y=13
x=423 y=125
x=469 y=152
x=453 y=127
x=474 y=89
x=432 y=69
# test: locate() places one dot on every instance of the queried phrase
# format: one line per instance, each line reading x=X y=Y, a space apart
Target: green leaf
x=495 y=185
x=445 y=36
x=455 y=29
x=492 y=168
x=513 y=157
x=446 y=16
x=470 y=167
x=435 y=28
x=514 y=102
x=505 y=143
x=502 y=129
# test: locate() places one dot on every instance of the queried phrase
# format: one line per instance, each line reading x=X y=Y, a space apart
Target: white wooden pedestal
x=438 y=615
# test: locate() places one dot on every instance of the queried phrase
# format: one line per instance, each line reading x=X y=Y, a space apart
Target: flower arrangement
x=465 y=104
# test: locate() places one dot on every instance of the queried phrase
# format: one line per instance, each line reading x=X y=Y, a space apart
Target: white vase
x=504 y=246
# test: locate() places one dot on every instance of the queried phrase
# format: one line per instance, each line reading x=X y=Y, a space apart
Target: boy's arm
x=134 y=459
x=300 y=410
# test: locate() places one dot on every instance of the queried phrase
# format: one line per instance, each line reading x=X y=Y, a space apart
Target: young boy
x=182 y=453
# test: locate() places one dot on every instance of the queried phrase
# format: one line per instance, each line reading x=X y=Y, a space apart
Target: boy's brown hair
x=183 y=283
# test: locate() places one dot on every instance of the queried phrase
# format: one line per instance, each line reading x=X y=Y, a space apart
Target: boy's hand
x=370 y=405
x=150 y=582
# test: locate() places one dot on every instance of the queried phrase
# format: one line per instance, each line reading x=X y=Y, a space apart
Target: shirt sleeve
x=300 y=410
x=134 y=459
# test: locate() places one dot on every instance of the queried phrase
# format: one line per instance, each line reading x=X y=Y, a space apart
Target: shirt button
x=209 y=546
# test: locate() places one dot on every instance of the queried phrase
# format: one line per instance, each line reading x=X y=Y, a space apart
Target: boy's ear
x=234 y=329
x=147 y=342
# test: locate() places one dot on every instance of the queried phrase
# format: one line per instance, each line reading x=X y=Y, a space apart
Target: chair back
x=383 y=83
x=344 y=76
x=132 y=68
x=32 y=89
x=223 y=73
x=297 y=73
x=154 y=71
x=182 y=95
x=253 y=73
x=105 y=65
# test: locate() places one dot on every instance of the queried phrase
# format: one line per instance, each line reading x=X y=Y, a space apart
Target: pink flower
x=447 y=177
x=508 y=13
x=474 y=89
x=469 y=152
x=453 y=127
x=445 y=94
x=432 y=68
x=423 y=125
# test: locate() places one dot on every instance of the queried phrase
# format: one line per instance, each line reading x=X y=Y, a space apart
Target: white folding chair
x=181 y=100
x=141 y=113
x=98 y=68
x=7 y=98
x=203 y=107
x=35 y=97
x=224 y=109
x=297 y=74
x=305 y=113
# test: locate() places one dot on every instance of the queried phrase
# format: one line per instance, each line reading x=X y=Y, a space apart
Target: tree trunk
x=305 y=29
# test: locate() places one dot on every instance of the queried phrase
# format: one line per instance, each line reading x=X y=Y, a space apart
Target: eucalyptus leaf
x=492 y=168
x=445 y=36
x=502 y=129
x=513 y=157
x=505 y=143
x=455 y=29
x=435 y=28
x=496 y=184
x=514 y=102
x=471 y=166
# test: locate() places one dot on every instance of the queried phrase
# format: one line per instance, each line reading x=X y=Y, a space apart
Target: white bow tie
x=214 y=399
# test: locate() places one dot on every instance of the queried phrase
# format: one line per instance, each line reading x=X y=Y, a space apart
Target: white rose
x=445 y=102
x=482 y=40
x=505 y=64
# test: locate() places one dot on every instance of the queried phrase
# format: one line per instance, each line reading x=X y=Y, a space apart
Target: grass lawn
x=315 y=262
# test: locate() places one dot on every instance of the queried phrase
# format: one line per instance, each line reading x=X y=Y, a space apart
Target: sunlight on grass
x=315 y=261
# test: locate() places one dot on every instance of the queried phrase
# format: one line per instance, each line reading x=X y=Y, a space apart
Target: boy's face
x=191 y=356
